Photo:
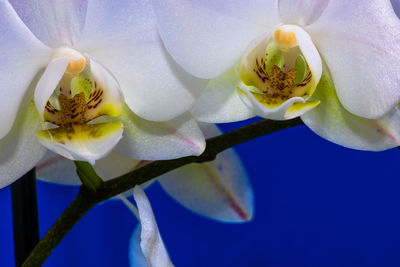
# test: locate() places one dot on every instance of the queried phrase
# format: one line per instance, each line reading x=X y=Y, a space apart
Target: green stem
x=88 y=175
x=86 y=198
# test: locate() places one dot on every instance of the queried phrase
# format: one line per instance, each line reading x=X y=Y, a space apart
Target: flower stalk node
x=88 y=176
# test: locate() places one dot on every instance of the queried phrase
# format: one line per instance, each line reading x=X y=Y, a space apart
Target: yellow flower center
x=275 y=70
x=74 y=110
x=79 y=98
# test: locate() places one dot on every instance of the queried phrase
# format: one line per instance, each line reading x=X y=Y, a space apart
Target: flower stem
x=25 y=216
x=88 y=198
x=88 y=175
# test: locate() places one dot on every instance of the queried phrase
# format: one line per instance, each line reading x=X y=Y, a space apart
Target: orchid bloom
x=219 y=190
x=335 y=63
x=79 y=75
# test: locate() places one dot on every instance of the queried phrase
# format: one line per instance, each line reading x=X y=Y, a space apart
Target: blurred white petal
x=54 y=168
x=151 y=243
x=219 y=189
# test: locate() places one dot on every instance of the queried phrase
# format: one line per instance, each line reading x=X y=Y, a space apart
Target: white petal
x=136 y=256
x=22 y=58
x=115 y=165
x=20 y=150
x=363 y=57
x=218 y=189
x=209 y=130
x=151 y=243
x=220 y=101
x=54 y=168
x=301 y=12
x=396 y=6
x=113 y=96
x=54 y=22
x=48 y=82
x=207 y=37
x=123 y=36
x=159 y=140
x=309 y=50
x=85 y=143
x=334 y=123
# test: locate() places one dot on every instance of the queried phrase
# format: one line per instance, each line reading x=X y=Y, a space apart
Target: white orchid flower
x=219 y=190
x=66 y=63
x=335 y=63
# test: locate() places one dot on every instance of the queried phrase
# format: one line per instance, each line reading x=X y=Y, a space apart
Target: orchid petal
x=22 y=58
x=48 y=83
x=396 y=6
x=88 y=142
x=363 y=57
x=209 y=130
x=301 y=12
x=115 y=165
x=54 y=22
x=333 y=122
x=112 y=100
x=20 y=150
x=123 y=36
x=220 y=101
x=309 y=51
x=149 y=140
x=54 y=168
x=207 y=37
x=219 y=189
x=151 y=243
x=136 y=256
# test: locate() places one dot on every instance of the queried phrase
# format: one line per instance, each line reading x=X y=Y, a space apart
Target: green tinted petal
x=333 y=122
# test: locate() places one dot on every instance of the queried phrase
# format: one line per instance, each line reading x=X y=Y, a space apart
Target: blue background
x=316 y=204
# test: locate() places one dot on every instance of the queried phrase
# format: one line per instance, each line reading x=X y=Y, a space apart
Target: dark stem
x=25 y=216
x=88 y=198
